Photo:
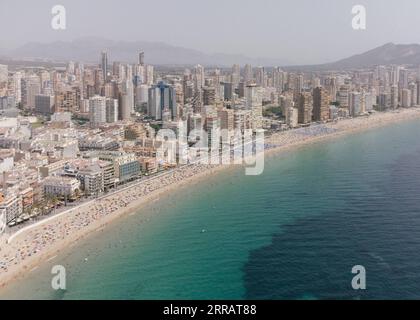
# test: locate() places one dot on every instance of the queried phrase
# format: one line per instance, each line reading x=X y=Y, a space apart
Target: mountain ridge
x=387 y=54
x=88 y=50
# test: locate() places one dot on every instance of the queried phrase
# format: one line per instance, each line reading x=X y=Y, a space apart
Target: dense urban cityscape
x=84 y=141
x=209 y=159
x=79 y=131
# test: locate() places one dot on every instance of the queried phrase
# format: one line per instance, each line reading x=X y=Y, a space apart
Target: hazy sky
x=301 y=31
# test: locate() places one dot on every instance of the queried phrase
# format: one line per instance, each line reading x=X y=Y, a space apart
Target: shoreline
x=101 y=214
x=20 y=271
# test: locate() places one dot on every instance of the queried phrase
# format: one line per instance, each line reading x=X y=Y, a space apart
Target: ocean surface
x=294 y=232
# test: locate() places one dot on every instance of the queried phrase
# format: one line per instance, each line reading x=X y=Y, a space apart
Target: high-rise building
x=406 y=98
x=226 y=119
x=3 y=73
x=236 y=74
x=31 y=87
x=198 y=77
x=413 y=88
x=248 y=75
x=209 y=96
x=141 y=58
x=395 y=75
x=368 y=101
x=17 y=87
x=149 y=75
x=228 y=91
x=261 y=77
x=394 y=96
x=343 y=96
x=304 y=103
x=403 y=80
x=97 y=111
x=253 y=96
x=44 y=104
x=126 y=100
x=418 y=90
x=70 y=68
x=162 y=96
x=278 y=78
x=7 y=102
x=292 y=117
x=321 y=101
x=212 y=127
x=126 y=107
x=355 y=105
x=384 y=100
x=111 y=112
x=67 y=101
x=299 y=84
x=331 y=86
x=142 y=94
x=104 y=65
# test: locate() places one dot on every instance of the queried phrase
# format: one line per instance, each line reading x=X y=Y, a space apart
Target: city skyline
x=161 y=169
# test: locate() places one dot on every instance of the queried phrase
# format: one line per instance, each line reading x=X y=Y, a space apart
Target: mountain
x=88 y=50
x=387 y=54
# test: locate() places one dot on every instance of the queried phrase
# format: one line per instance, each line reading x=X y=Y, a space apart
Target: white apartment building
x=60 y=186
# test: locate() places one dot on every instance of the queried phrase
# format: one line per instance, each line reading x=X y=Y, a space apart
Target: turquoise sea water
x=294 y=232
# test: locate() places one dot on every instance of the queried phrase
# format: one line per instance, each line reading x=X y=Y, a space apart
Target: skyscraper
x=17 y=86
x=406 y=98
x=228 y=91
x=198 y=77
x=209 y=96
x=413 y=88
x=104 y=65
x=97 y=111
x=321 y=102
x=111 y=110
x=141 y=58
x=126 y=100
x=31 y=86
x=304 y=107
x=261 y=77
x=355 y=99
x=278 y=78
x=44 y=104
x=403 y=81
x=292 y=116
x=236 y=74
x=162 y=96
x=149 y=70
x=248 y=76
x=3 y=73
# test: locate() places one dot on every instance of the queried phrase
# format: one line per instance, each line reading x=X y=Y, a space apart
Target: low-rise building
x=91 y=179
x=11 y=206
x=126 y=166
x=60 y=186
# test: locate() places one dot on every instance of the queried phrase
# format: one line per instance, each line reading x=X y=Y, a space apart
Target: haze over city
x=297 y=32
x=207 y=150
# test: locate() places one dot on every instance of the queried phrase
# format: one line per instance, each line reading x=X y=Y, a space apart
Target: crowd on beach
x=42 y=237
x=38 y=239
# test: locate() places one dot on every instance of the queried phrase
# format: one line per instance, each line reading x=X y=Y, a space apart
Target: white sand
x=32 y=247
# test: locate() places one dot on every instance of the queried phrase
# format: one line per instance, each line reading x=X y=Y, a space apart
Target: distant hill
x=158 y=53
x=387 y=54
x=88 y=50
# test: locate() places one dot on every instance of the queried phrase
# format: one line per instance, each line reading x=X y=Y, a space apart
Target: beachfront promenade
x=67 y=210
x=22 y=250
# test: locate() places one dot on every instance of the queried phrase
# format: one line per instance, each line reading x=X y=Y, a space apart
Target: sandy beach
x=32 y=247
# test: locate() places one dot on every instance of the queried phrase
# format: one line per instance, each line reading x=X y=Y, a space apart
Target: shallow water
x=294 y=232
